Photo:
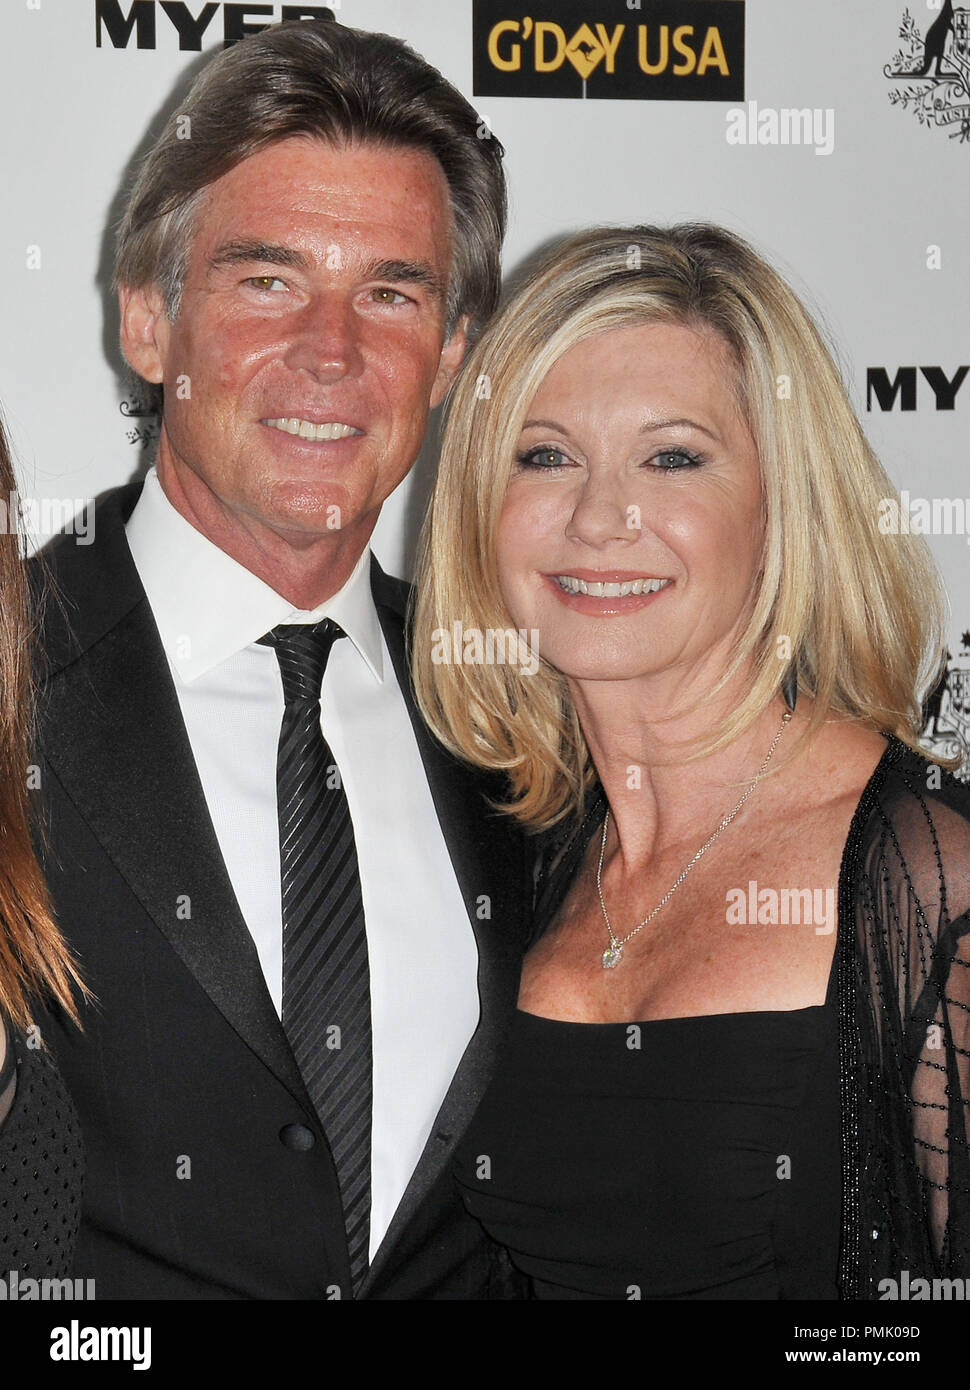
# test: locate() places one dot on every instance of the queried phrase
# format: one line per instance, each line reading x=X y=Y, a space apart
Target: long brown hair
x=34 y=959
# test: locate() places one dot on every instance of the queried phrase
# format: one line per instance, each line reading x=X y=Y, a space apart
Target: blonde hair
x=863 y=617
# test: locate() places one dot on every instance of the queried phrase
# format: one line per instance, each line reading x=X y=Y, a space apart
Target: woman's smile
x=635 y=496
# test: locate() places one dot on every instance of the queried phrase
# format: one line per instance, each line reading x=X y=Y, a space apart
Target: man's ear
x=451 y=359
x=144 y=330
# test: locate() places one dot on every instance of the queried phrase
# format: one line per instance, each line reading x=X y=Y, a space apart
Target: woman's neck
x=641 y=734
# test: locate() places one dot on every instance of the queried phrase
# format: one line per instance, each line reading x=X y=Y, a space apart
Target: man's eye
x=541 y=457
x=265 y=282
x=383 y=294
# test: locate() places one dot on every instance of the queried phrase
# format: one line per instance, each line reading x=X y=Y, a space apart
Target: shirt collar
x=208 y=607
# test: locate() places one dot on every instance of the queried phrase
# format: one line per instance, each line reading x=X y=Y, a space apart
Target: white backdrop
x=853 y=228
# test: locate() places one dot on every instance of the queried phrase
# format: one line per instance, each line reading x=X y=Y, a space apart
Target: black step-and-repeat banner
x=834 y=136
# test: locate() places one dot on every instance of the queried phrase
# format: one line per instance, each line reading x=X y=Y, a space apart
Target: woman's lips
x=607 y=593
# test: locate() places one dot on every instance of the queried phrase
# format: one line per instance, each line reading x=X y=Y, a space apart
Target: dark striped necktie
x=326 y=981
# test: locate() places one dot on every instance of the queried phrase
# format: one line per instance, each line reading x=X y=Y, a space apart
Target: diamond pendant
x=612 y=957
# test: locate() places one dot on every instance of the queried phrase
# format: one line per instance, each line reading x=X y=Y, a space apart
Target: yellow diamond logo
x=585 y=51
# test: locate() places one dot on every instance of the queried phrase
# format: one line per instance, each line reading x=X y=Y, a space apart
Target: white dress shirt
x=210 y=611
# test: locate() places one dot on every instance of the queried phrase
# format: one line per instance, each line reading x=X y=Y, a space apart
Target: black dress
x=684 y=1158
x=806 y=1154
x=41 y=1168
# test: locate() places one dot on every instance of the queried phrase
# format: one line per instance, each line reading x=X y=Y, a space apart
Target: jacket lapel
x=108 y=685
x=489 y=858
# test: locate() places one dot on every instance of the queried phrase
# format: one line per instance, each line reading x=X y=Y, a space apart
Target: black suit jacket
x=182 y=1075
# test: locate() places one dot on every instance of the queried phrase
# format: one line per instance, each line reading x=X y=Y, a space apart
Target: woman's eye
x=669 y=460
x=542 y=457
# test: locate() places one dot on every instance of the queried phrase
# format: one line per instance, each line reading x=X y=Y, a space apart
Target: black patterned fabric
x=326 y=976
x=41 y=1171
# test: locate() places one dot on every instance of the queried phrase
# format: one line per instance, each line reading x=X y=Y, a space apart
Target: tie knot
x=302 y=651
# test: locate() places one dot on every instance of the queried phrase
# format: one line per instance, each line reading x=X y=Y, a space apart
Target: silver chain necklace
x=614 y=952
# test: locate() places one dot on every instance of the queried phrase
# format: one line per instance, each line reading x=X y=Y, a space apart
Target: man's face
x=309 y=344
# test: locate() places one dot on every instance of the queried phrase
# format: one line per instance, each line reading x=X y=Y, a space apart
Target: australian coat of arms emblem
x=935 y=70
x=946 y=711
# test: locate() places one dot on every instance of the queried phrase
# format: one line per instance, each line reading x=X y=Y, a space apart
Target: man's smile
x=308 y=429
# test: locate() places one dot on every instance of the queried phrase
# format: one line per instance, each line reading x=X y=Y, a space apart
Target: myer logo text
x=141 y=23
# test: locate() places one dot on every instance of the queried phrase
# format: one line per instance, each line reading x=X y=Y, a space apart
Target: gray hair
x=340 y=85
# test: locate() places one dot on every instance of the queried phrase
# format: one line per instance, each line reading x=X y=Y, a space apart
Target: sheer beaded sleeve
x=905 y=991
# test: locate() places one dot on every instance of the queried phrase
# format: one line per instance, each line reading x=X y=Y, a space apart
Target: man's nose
x=324 y=340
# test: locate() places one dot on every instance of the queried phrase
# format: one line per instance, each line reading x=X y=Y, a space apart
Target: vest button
x=297 y=1137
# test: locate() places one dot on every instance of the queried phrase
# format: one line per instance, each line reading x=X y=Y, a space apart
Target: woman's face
x=632 y=528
